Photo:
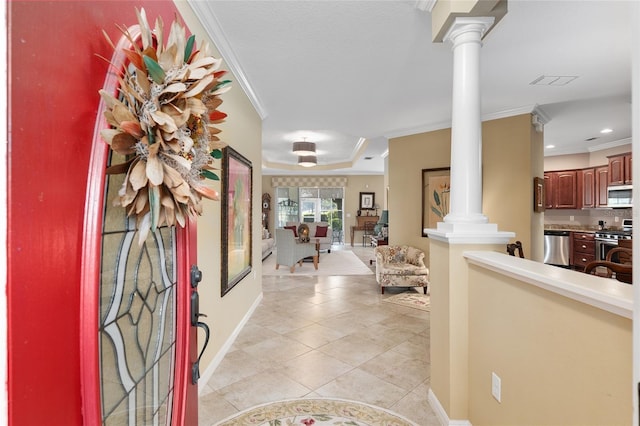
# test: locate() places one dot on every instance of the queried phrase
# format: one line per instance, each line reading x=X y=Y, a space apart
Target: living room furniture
x=400 y=266
x=368 y=232
x=291 y=252
x=310 y=258
x=267 y=243
x=379 y=241
x=360 y=221
x=317 y=230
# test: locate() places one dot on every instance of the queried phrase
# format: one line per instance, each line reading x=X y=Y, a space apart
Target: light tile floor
x=330 y=336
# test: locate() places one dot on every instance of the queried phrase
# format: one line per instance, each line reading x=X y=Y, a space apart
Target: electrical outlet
x=496 y=387
x=571 y=218
x=616 y=219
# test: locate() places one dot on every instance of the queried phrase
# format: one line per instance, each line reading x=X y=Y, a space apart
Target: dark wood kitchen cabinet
x=620 y=169
x=583 y=249
x=587 y=188
x=602 y=182
x=561 y=189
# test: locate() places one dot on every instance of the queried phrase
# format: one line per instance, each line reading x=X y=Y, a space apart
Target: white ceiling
x=340 y=72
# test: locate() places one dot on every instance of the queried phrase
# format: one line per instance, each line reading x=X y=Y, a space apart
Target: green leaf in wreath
x=436 y=211
x=155 y=70
x=209 y=175
x=189 y=48
x=216 y=153
x=436 y=197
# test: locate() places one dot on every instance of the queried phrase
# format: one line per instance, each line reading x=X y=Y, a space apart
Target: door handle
x=196 y=277
x=195 y=368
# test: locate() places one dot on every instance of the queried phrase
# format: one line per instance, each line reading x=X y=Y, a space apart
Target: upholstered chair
x=401 y=266
x=289 y=251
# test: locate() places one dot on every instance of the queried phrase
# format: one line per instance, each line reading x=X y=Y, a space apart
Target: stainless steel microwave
x=620 y=196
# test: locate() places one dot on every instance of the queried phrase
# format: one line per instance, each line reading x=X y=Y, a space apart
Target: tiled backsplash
x=587 y=218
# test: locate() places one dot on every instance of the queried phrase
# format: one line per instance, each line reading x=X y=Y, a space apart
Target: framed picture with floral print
x=236 y=218
x=435 y=196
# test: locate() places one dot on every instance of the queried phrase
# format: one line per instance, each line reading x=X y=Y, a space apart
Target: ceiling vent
x=590 y=139
x=368 y=158
x=553 y=80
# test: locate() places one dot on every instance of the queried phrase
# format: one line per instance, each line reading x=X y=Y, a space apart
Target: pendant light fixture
x=304 y=148
x=307 y=160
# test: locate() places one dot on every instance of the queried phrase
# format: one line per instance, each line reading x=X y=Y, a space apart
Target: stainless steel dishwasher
x=556 y=247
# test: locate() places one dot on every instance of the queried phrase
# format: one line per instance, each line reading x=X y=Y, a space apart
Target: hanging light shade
x=307 y=160
x=304 y=148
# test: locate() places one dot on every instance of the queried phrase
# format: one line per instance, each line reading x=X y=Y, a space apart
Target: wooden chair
x=368 y=232
x=511 y=249
x=623 y=268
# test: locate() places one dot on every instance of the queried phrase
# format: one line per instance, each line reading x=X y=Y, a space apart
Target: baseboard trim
x=211 y=368
x=443 y=417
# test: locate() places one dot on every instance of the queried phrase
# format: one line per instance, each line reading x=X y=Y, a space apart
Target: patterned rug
x=411 y=299
x=316 y=412
x=338 y=262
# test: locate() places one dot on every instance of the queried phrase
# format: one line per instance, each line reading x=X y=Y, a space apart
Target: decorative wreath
x=163 y=121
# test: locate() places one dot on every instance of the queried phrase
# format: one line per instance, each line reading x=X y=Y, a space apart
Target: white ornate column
x=464 y=228
x=465 y=216
x=466 y=125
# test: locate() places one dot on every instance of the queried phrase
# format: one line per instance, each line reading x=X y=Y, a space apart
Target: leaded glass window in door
x=137 y=333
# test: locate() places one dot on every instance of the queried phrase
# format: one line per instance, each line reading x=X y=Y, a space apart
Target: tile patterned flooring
x=326 y=336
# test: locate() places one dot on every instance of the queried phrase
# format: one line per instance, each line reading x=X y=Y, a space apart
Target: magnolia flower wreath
x=163 y=121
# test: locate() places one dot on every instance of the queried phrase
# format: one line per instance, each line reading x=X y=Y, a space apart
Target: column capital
x=477 y=27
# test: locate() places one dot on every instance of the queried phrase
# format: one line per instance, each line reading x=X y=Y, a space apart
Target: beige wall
x=408 y=155
x=512 y=153
x=355 y=185
x=243 y=131
x=561 y=362
x=511 y=157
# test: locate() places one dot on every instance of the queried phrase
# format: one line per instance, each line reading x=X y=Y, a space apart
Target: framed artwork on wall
x=538 y=194
x=367 y=200
x=436 y=189
x=236 y=206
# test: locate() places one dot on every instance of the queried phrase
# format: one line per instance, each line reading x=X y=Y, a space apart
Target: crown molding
x=430 y=127
x=208 y=19
x=425 y=5
x=608 y=145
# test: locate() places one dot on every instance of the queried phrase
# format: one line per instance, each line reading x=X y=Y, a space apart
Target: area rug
x=338 y=262
x=316 y=412
x=410 y=299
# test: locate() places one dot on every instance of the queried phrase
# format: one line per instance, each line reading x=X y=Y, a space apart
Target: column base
x=470 y=233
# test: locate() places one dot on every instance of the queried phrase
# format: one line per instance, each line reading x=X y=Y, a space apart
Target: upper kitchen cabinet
x=587 y=187
x=561 y=189
x=602 y=182
x=620 y=169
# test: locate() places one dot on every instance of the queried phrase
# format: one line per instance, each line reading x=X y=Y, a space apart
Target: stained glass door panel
x=137 y=326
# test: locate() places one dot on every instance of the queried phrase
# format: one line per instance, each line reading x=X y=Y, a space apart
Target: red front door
x=140 y=314
x=59 y=303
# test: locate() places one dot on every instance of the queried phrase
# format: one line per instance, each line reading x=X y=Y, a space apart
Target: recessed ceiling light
x=550 y=146
x=607 y=130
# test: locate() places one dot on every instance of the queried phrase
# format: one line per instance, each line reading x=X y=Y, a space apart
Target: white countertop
x=603 y=293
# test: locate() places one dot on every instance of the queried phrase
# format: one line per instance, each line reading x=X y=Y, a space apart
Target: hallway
x=327 y=336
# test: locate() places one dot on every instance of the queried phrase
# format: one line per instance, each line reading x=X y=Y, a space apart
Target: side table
x=379 y=241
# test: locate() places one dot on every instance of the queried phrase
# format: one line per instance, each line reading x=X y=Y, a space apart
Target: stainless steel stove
x=624 y=234
x=608 y=239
